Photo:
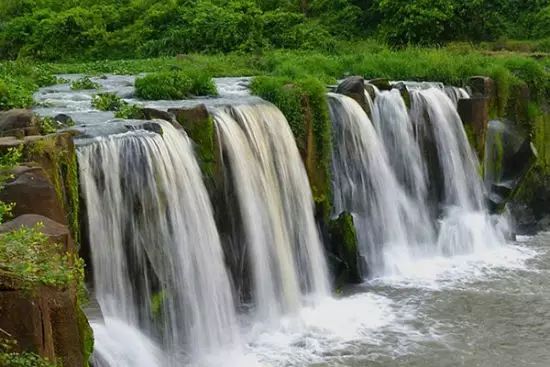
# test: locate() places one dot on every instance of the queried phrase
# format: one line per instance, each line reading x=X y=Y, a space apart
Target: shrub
x=107 y=102
x=10 y=358
x=174 y=85
x=130 y=111
x=84 y=83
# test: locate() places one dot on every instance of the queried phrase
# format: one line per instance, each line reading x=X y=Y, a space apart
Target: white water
x=387 y=219
x=392 y=122
x=153 y=241
x=276 y=208
x=465 y=226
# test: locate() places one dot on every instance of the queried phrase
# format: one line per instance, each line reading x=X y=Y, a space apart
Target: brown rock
x=474 y=113
x=57 y=232
x=17 y=122
x=33 y=193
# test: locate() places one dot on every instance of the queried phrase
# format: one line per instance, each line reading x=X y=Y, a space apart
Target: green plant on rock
x=10 y=358
x=130 y=111
x=107 y=102
x=174 y=85
x=8 y=161
x=84 y=83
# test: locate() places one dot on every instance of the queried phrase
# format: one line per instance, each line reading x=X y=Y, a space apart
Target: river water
x=490 y=309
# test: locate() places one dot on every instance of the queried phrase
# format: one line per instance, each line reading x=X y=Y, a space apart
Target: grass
x=174 y=84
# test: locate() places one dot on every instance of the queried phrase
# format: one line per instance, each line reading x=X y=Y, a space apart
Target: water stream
x=443 y=286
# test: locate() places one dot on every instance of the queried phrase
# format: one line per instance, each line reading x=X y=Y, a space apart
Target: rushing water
x=155 y=246
x=276 y=208
x=390 y=228
x=445 y=288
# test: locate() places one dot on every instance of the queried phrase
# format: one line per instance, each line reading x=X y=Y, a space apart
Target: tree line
x=97 y=29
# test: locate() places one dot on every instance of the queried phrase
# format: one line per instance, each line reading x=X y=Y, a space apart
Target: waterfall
x=392 y=122
x=158 y=269
x=387 y=219
x=455 y=93
x=465 y=226
x=276 y=207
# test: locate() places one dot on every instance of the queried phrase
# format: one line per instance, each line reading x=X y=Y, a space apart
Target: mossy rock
x=346 y=260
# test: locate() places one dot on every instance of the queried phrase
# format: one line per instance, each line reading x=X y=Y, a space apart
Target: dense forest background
x=98 y=29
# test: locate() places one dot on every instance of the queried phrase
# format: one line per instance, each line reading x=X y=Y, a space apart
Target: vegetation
x=141 y=28
x=10 y=358
x=174 y=85
x=84 y=83
x=107 y=102
x=8 y=161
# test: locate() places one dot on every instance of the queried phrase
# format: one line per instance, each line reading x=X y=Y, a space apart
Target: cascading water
x=392 y=122
x=465 y=226
x=455 y=93
x=276 y=208
x=388 y=224
x=159 y=273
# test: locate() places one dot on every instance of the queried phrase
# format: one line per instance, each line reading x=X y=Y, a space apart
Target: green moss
x=86 y=335
x=56 y=154
x=174 y=85
x=344 y=247
x=304 y=104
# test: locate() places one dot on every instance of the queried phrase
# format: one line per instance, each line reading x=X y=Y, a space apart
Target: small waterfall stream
x=276 y=208
x=390 y=233
x=158 y=267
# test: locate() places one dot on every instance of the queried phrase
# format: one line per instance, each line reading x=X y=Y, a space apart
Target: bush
x=174 y=85
x=10 y=358
x=84 y=83
x=107 y=102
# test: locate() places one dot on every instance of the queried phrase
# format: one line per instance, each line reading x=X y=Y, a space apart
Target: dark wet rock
x=381 y=83
x=64 y=120
x=474 y=113
x=32 y=192
x=152 y=114
x=482 y=86
x=18 y=123
x=345 y=260
x=354 y=87
x=404 y=91
x=510 y=156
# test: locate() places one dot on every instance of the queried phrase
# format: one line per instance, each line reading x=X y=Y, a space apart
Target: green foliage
x=8 y=161
x=303 y=102
x=10 y=358
x=84 y=83
x=28 y=254
x=174 y=85
x=61 y=30
x=130 y=111
x=107 y=102
x=19 y=80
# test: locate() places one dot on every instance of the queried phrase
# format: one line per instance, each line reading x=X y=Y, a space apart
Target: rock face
x=510 y=155
x=18 y=122
x=43 y=319
x=354 y=87
x=31 y=189
x=345 y=260
x=474 y=113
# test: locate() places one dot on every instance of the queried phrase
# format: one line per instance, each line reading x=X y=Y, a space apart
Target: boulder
x=152 y=114
x=64 y=120
x=381 y=83
x=354 y=87
x=32 y=192
x=18 y=122
x=402 y=88
x=56 y=232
